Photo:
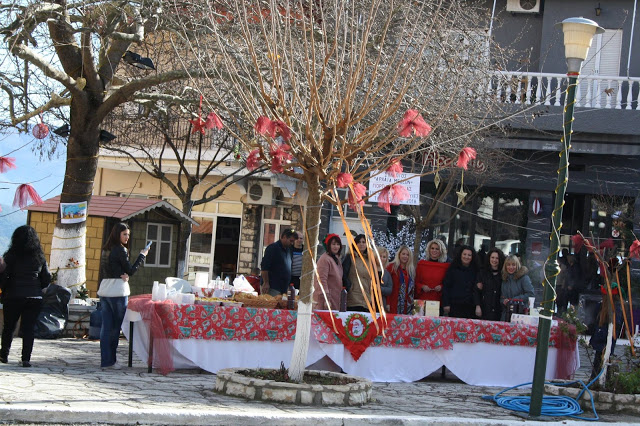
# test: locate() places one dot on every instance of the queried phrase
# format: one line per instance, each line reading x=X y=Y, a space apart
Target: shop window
x=160 y=251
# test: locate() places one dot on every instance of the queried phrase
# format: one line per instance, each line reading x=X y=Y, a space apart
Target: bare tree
x=75 y=62
x=327 y=91
x=168 y=147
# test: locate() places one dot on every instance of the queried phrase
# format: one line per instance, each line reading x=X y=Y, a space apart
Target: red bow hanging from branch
x=413 y=122
x=24 y=194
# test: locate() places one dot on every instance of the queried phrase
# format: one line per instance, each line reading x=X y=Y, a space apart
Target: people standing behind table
x=430 y=272
x=386 y=282
x=276 y=265
x=296 y=260
x=23 y=275
x=489 y=285
x=352 y=271
x=403 y=274
x=330 y=273
x=459 y=299
x=516 y=284
x=114 y=291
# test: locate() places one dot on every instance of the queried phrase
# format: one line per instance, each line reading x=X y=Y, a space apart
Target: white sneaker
x=115 y=366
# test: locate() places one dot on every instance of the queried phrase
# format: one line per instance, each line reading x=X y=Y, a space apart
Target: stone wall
x=249 y=238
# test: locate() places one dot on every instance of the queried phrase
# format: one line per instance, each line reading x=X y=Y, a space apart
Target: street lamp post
x=578 y=33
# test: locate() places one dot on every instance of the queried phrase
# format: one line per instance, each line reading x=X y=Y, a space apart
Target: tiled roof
x=118 y=207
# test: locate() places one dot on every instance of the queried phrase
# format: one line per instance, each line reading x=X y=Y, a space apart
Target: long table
x=212 y=338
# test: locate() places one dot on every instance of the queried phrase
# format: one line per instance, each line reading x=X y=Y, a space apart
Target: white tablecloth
x=482 y=364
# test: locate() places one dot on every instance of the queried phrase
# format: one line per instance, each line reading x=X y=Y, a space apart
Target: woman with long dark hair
x=489 y=285
x=114 y=291
x=357 y=273
x=330 y=272
x=459 y=299
x=25 y=275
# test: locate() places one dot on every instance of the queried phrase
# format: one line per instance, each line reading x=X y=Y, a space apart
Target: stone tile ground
x=66 y=386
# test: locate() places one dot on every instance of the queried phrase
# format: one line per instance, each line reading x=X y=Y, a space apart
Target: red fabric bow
x=279 y=156
x=344 y=179
x=253 y=160
x=578 y=242
x=467 y=154
x=392 y=194
x=7 y=163
x=213 y=121
x=356 y=192
x=266 y=127
x=607 y=244
x=24 y=194
x=413 y=121
x=395 y=167
x=634 y=250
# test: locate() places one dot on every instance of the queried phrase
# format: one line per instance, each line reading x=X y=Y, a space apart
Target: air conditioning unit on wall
x=523 y=6
x=259 y=192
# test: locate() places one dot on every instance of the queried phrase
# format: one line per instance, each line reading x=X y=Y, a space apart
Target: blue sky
x=45 y=175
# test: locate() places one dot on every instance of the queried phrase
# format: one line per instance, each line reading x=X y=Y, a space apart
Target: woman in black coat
x=489 y=285
x=459 y=299
x=25 y=275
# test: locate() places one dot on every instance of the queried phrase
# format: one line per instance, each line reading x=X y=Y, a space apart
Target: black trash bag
x=54 y=314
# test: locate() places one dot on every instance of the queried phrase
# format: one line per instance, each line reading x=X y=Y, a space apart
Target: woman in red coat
x=430 y=272
x=400 y=300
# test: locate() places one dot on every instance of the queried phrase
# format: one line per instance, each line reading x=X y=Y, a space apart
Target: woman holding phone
x=114 y=291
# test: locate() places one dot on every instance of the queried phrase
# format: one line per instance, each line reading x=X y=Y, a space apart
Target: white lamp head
x=578 y=34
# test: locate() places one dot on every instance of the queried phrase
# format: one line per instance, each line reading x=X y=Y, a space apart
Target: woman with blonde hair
x=516 y=284
x=402 y=273
x=430 y=272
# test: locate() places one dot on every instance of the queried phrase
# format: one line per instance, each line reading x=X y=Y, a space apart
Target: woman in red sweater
x=400 y=300
x=430 y=272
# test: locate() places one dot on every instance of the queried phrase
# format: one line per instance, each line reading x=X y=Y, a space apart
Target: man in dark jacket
x=276 y=265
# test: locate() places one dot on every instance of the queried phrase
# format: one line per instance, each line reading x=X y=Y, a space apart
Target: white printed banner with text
x=379 y=180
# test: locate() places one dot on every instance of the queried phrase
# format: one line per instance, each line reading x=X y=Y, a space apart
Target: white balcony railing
x=593 y=91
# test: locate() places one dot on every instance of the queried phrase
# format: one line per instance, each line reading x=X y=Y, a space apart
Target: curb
x=20 y=413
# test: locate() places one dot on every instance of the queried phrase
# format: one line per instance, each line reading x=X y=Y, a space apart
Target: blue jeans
x=113 y=309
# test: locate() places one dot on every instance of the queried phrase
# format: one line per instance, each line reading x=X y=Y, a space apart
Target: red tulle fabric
x=607 y=244
x=394 y=168
x=281 y=129
x=149 y=309
x=413 y=122
x=253 y=160
x=40 y=131
x=566 y=359
x=634 y=250
x=467 y=154
x=264 y=127
x=213 y=121
x=279 y=157
x=344 y=179
x=198 y=123
x=24 y=194
x=578 y=242
x=392 y=194
x=356 y=192
x=7 y=163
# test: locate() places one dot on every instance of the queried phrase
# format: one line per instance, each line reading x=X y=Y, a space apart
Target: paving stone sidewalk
x=66 y=386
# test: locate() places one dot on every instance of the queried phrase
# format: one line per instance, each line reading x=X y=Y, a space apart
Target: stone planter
x=230 y=382
x=604 y=401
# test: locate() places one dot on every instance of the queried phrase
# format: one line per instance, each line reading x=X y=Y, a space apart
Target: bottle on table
x=291 y=297
x=343 y=300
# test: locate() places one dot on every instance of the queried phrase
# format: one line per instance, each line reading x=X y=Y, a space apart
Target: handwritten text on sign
x=379 y=180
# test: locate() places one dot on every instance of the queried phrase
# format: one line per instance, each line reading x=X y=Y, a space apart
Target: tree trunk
x=607 y=353
x=185 y=233
x=303 y=324
x=68 y=246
